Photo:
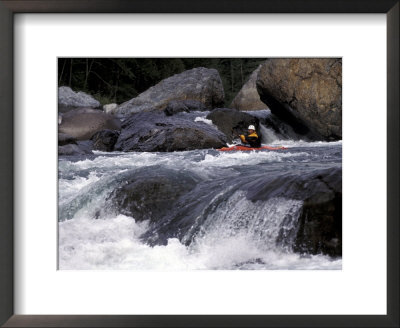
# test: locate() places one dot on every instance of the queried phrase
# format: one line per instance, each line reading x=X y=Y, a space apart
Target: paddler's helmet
x=251 y=127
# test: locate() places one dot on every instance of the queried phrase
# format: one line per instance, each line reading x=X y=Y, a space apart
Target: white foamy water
x=179 y=159
x=202 y=119
x=248 y=158
x=268 y=135
x=114 y=243
x=304 y=144
x=71 y=187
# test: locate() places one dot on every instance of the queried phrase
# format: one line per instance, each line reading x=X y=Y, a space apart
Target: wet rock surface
x=319 y=228
x=65 y=139
x=105 y=140
x=72 y=150
x=154 y=131
x=232 y=122
x=315 y=229
x=152 y=195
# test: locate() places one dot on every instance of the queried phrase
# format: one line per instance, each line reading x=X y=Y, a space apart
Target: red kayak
x=236 y=148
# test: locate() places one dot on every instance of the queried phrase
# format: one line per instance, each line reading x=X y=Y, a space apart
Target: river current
x=232 y=232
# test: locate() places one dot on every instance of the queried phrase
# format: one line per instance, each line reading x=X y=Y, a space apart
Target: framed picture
x=238 y=250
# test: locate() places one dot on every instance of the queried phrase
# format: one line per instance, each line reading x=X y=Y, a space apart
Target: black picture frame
x=10 y=7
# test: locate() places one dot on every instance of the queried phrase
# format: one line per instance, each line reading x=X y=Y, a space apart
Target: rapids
x=214 y=225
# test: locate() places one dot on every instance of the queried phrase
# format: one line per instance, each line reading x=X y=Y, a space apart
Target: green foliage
x=120 y=79
x=104 y=100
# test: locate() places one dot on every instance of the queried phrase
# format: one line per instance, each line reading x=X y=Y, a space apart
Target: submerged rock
x=314 y=226
x=68 y=145
x=198 y=84
x=105 y=140
x=69 y=99
x=83 y=123
x=151 y=195
x=72 y=149
x=319 y=226
x=232 y=121
x=153 y=131
x=248 y=97
x=86 y=146
x=305 y=93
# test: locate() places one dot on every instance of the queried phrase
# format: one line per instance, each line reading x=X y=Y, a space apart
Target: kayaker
x=251 y=139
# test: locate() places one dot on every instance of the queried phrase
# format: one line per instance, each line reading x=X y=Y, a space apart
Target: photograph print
x=199 y=164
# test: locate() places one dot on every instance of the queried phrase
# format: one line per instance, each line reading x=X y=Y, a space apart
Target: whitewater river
x=214 y=225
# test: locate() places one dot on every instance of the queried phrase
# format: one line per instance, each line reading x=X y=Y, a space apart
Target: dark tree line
x=120 y=79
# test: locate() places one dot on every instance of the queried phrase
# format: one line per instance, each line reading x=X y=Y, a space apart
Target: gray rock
x=154 y=131
x=83 y=123
x=200 y=84
x=177 y=106
x=232 y=122
x=65 y=139
x=72 y=149
x=86 y=146
x=69 y=99
x=105 y=140
x=248 y=97
x=305 y=93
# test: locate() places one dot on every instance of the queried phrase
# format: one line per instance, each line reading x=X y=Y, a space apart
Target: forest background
x=116 y=80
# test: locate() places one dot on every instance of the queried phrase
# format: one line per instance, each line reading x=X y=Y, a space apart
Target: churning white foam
x=240 y=234
x=305 y=144
x=113 y=243
x=202 y=119
x=70 y=187
x=268 y=135
x=243 y=158
x=180 y=159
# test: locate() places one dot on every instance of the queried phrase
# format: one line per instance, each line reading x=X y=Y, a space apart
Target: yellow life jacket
x=243 y=137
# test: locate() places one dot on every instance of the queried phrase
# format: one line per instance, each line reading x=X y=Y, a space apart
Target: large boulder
x=83 y=123
x=69 y=99
x=178 y=106
x=248 y=97
x=232 y=122
x=305 y=93
x=105 y=140
x=154 y=131
x=201 y=84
